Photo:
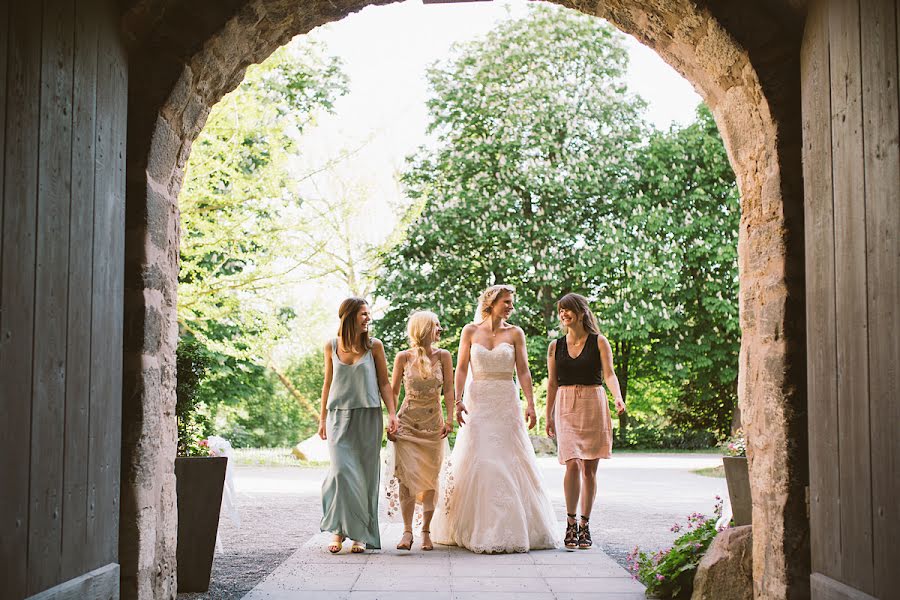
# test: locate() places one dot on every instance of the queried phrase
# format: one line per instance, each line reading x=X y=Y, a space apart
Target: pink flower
x=660 y=577
x=675 y=528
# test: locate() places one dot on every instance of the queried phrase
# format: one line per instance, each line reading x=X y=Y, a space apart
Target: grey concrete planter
x=199 y=484
x=738 y=478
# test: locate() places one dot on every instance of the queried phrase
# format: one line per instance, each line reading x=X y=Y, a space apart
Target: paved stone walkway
x=446 y=573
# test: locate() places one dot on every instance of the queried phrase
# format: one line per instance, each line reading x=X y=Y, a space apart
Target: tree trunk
x=303 y=402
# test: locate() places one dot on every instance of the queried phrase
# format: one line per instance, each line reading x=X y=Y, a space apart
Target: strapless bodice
x=496 y=363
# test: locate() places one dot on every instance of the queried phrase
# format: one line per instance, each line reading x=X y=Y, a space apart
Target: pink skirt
x=583 y=423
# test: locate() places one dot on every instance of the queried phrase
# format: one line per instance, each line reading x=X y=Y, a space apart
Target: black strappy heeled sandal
x=571 y=539
x=584 y=534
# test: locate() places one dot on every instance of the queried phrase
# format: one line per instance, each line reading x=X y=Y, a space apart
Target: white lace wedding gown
x=492 y=496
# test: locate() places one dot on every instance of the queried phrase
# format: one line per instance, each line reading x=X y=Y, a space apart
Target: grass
x=717 y=471
x=270 y=457
x=666 y=450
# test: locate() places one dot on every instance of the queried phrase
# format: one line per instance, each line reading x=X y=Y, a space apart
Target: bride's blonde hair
x=421 y=323
x=489 y=297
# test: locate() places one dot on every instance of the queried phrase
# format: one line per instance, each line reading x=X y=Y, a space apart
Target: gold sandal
x=336 y=546
x=358 y=548
x=429 y=545
x=408 y=545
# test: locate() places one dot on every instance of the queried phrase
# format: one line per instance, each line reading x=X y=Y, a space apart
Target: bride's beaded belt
x=492 y=376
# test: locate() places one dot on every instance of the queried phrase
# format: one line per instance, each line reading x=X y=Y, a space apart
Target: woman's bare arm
x=397 y=377
x=524 y=373
x=326 y=390
x=551 y=389
x=384 y=385
x=609 y=373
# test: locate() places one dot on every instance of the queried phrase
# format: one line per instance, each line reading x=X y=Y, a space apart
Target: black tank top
x=587 y=369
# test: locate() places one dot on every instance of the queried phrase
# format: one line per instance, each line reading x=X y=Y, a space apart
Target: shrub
x=648 y=435
x=191 y=363
x=670 y=573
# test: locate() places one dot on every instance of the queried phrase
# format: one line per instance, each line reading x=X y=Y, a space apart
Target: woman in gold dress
x=419 y=448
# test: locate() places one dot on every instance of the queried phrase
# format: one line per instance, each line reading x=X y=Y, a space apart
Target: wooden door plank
x=106 y=319
x=4 y=41
x=78 y=352
x=51 y=297
x=17 y=287
x=850 y=304
x=821 y=341
x=881 y=126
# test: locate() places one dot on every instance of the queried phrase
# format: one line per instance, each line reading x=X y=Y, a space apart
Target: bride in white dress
x=493 y=499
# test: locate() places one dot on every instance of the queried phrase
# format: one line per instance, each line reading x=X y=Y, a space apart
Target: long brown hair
x=578 y=304
x=348 y=331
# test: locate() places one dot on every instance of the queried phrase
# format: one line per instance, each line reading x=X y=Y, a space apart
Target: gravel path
x=639 y=497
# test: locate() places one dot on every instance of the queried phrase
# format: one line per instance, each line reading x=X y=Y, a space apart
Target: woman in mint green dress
x=355 y=376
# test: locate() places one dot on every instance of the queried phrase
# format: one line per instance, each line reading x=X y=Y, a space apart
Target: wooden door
x=62 y=140
x=851 y=165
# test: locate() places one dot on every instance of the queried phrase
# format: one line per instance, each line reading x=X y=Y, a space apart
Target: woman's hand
x=322 y=429
x=620 y=406
x=447 y=428
x=531 y=416
x=551 y=427
x=393 y=425
x=460 y=409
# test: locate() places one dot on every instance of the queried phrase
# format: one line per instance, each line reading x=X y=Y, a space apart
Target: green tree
x=545 y=177
x=690 y=211
x=534 y=128
x=245 y=233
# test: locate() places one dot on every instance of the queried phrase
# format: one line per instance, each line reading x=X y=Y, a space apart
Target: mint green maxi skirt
x=350 y=490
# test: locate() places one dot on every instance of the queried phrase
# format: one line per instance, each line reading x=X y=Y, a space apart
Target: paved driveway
x=639 y=497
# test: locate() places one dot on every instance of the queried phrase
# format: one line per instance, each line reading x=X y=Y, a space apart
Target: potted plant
x=199 y=476
x=670 y=573
x=737 y=477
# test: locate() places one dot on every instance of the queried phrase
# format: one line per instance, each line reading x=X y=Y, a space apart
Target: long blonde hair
x=487 y=299
x=348 y=331
x=421 y=323
x=578 y=304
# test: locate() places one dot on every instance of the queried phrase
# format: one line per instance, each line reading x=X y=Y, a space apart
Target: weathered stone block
x=726 y=571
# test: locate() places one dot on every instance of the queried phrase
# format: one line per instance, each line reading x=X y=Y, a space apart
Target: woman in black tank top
x=577 y=409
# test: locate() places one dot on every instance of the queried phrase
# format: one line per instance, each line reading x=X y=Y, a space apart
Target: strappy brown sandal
x=407 y=545
x=429 y=545
x=335 y=546
x=358 y=547
x=584 y=534
x=571 y=539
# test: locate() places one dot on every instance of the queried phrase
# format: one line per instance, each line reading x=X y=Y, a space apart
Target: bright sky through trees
x=385 y=52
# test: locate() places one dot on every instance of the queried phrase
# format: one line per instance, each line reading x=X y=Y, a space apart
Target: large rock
x=726 y=571
x=543 y=446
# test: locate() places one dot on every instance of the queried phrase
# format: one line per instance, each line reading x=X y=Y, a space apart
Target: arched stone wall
x=743 y=59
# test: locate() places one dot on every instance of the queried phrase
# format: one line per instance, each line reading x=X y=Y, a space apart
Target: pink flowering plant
x=735 y=445
x=670 y=573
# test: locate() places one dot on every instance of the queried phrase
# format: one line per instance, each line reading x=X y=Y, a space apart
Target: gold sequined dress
x=416 y=457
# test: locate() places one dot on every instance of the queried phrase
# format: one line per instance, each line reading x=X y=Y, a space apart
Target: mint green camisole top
x=353 y=386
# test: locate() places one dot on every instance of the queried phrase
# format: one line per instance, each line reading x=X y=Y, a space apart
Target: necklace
x=575 y=342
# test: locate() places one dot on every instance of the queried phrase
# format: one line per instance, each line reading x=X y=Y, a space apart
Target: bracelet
x=458 y=402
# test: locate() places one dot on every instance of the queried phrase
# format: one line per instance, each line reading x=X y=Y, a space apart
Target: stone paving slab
x=446 y=573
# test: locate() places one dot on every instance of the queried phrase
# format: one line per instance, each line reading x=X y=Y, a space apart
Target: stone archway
x=185 y=55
